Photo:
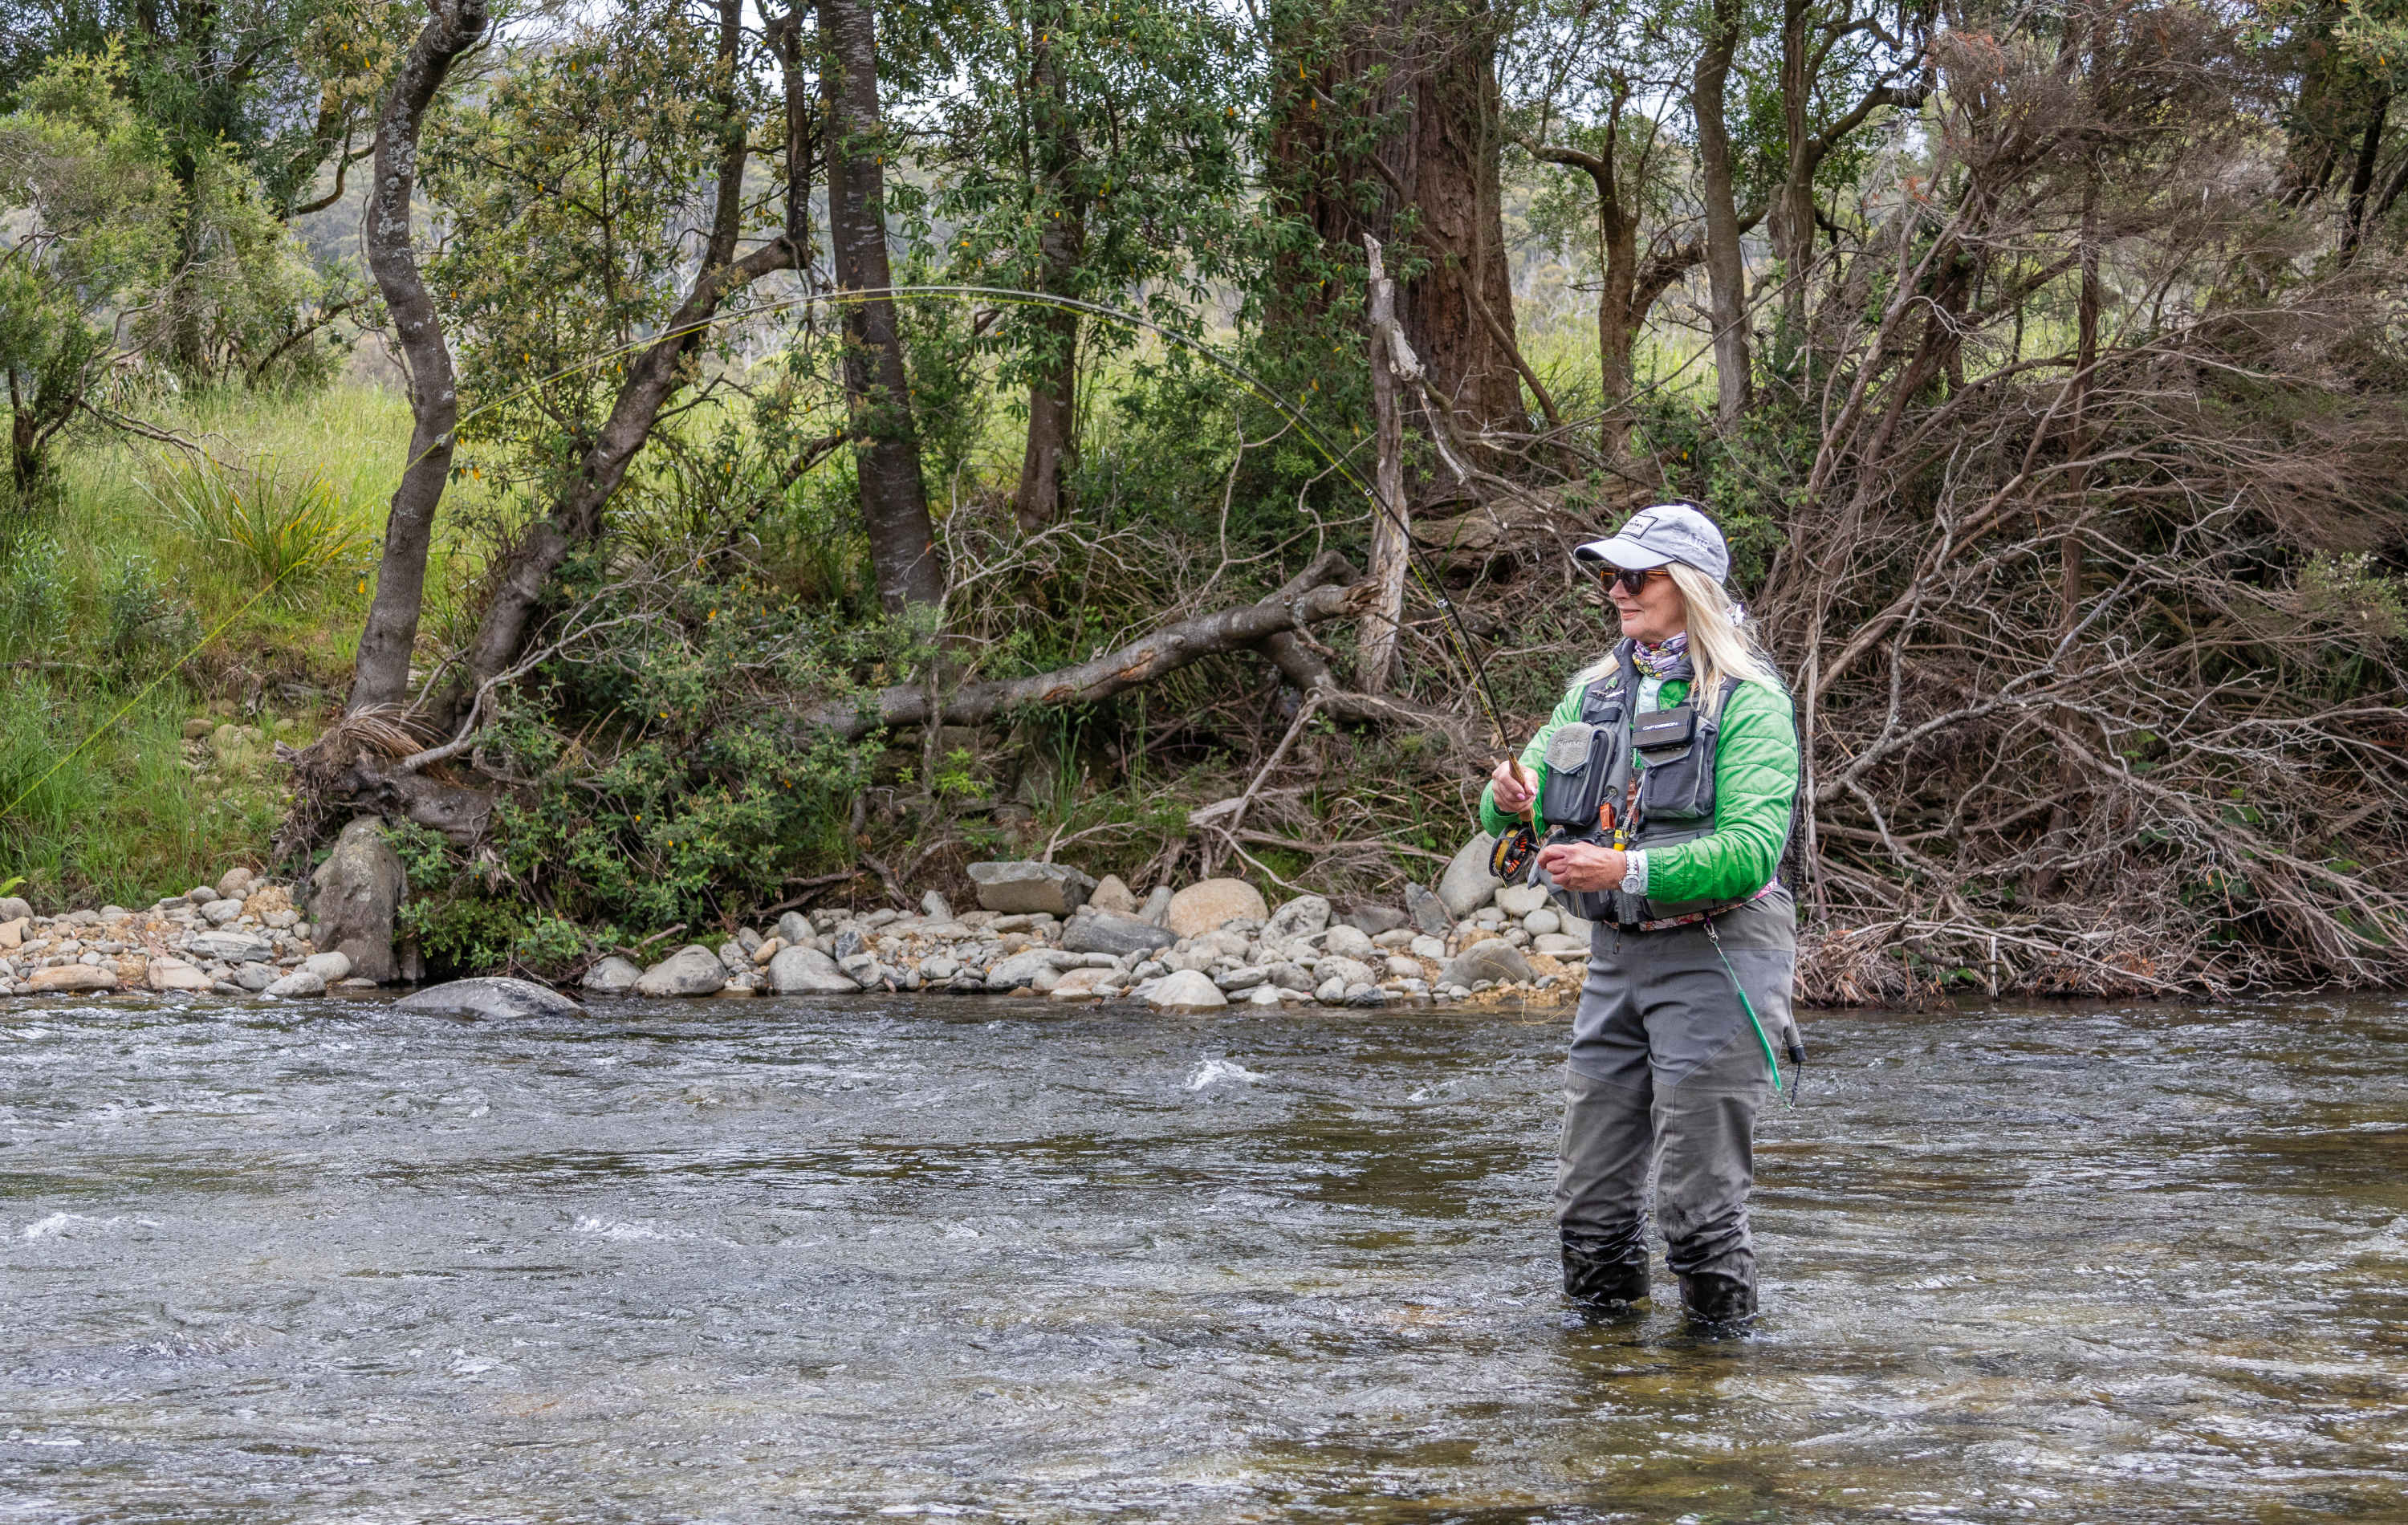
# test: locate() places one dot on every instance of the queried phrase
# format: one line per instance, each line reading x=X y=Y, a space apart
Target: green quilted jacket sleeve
x=1756 y=778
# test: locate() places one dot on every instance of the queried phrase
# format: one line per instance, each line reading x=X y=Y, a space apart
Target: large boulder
x=1106 y=931
x=1467 y=883
x=612 y=976
x=72 y=977
x=1113 y=894
x=170 y=973
x=495 y=1000
x=692 y=970
x=358 y=888
x=1026 y=887
x=1202 y=907
x=1300 y=918
x=1494 y=959
x=1186 y=991
x=805 y=971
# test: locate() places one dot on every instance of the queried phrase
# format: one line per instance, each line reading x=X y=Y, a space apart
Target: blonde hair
x=1721 y=643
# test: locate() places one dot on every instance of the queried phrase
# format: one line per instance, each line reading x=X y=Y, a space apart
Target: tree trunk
x=2362 y=176
x=1725 y=267
x=652 y=378
x=380 y=673
x=878 y=392
x=1052 y=399
x=1376 y=639
x=1440 y=158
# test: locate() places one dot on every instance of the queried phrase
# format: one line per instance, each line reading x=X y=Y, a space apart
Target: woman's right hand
x=1512 y=787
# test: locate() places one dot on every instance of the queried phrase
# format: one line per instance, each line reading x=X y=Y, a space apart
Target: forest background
x=501 y=415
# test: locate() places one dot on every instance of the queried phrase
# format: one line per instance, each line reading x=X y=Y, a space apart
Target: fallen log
x=1305 y=667
x=1165 y=650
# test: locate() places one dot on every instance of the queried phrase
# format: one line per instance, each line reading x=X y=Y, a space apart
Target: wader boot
x=1607 y=1273
x=1718 y=1302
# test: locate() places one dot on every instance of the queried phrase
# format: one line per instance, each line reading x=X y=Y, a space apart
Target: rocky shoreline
x=238 y=937
x=1040 y=930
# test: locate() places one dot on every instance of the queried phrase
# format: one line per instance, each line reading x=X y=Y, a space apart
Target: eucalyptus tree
x=91 y=212
x=1595 y=87
x=1383 y=118
x=1088 y=149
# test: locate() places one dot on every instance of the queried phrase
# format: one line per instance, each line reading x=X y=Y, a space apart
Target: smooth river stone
x=301 y=982
x=1105 y=931
x=72 y=977
x=1494 y=959
x=167 y=973
x=1300 y=918
x=806 y=972
x=495 y=998
x=1054 y=887
x=1519 y=901
x=692 y=970
x=612 y=976
x=1202 y=907
x=1186 y=991
x=1467 y=884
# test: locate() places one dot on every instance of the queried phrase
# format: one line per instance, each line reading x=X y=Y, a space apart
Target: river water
x=961 y=1258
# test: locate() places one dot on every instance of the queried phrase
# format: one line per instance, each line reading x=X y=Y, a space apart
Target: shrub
x=279 y=525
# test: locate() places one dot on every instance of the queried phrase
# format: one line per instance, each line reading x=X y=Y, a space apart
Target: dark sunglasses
x=1633 y=578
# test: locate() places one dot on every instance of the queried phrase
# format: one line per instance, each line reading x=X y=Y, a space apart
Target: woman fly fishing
x=1659 y=802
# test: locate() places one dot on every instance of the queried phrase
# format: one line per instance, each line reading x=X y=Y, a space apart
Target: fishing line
x=1014 y=297
x=1000 y=296
x=146 y=689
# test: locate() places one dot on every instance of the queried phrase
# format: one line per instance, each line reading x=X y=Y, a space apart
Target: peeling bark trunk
x=1441 y=161
x=380 y=673
x=1391 y=542
x=877 y=391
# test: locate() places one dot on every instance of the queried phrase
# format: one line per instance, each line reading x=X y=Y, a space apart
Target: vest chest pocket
x=1678 y=783
x=1579 y=759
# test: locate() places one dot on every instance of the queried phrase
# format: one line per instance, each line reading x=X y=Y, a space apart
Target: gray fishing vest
x=1589 y=764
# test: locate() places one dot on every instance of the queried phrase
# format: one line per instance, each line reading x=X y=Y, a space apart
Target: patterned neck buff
x=1669 y=660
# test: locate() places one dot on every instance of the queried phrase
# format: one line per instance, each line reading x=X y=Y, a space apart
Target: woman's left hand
x=1584 y=866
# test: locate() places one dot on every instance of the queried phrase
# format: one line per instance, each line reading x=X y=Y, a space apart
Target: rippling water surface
x=735 y=1260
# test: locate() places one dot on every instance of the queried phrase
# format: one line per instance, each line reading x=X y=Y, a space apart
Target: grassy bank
x=130 y=605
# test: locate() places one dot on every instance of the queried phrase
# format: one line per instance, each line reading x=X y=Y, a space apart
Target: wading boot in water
x=1721 y=1303
x=1606 y=1274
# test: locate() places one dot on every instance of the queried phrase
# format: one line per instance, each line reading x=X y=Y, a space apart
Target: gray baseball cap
x=1659 y=532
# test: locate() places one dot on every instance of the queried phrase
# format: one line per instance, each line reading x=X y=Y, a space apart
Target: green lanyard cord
x=1749 y=1007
